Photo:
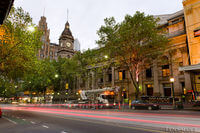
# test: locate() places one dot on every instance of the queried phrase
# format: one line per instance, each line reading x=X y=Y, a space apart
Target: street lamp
x=56 y=76
x=31 y=28
x=106 y=56
x=172 y=81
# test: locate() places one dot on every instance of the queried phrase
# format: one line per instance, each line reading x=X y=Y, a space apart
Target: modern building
x=77 y=45
x=65 y=48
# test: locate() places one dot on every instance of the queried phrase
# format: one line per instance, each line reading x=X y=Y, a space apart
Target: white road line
x=63 y=132
x=32 y=122
x=45 y=126
x=23 y=119
x=10 y=120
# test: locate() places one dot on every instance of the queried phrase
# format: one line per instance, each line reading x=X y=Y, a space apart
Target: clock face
x=68 y=44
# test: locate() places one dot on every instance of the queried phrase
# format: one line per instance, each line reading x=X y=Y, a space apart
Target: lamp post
x=172 y=82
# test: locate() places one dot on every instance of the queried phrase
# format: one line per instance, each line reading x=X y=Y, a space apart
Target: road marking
x=103 y=123
x=45 y=126
x=63 y=132
x=23 y=119
x=32 y=122
x=10 y=120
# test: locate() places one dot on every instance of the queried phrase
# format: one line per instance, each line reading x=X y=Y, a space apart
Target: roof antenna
x=67 y=14
x=44 y=12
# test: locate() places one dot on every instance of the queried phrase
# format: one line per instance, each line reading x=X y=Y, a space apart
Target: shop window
x=148 y=73
x=165 y=71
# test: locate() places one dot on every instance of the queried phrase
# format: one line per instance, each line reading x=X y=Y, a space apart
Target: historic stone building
x=65 y=48
x=192 y=21
x=183 y=32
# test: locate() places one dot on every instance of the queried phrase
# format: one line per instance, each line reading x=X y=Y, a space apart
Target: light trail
x=60 y=112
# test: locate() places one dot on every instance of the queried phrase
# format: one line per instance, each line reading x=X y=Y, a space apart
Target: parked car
x=0 y=113
x=139 y=104
x=196 y=106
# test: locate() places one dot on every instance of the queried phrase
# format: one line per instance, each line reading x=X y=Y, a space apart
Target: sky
x=87 y=16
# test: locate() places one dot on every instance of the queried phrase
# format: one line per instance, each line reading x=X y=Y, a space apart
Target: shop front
x=193 y=93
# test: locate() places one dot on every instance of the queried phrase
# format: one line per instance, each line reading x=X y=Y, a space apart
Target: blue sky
x=86 y=16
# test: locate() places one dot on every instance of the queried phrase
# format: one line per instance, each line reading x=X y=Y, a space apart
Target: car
x=139 y=104
x=0 y=113
x=196 y=106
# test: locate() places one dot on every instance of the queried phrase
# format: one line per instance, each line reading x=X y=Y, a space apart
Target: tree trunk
x=134 y=84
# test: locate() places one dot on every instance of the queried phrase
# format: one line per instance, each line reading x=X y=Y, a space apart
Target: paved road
x=58 y=120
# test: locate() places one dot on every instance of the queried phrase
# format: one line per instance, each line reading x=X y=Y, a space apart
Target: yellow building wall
x=192 y=18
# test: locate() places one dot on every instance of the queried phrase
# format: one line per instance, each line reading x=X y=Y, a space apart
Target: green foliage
x=132 y=42
x=18 y=47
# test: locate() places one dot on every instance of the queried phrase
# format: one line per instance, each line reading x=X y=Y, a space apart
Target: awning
x=190 y=68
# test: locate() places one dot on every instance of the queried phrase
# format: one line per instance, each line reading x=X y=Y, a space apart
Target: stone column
x=188 y=83
x=156 y=89
x=104 y=77
x=88 y=80
x=93 y=80
x=113 y=76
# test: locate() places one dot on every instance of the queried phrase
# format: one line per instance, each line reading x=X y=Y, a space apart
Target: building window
x=122 y=75
x=109 y=77
x=148 y=73
x=51 y=53
x=165 y=71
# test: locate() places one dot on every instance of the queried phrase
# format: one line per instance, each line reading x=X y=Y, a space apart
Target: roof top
x=67 y=32
x=54 y=44
x=166 y=17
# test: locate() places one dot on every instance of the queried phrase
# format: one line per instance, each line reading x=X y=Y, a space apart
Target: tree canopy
x=136 y=39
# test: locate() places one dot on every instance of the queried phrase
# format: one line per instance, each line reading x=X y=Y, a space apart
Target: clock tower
x=66 y=43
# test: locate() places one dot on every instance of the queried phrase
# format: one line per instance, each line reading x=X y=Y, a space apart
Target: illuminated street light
x=172 y=80
x=106 y=56
x=58 y=93
x=56 y=76
x=15 y=86
x=31 y=28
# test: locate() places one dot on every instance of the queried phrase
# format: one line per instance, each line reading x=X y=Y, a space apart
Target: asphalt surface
x=60 y=120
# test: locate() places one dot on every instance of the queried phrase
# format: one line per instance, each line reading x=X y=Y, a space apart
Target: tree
x=18 y=46
x=132 y=42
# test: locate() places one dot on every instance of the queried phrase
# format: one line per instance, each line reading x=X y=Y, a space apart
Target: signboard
x=197 y=33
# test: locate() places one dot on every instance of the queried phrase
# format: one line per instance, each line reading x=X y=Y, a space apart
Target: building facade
x=183 y=31
x=192 y=20
x=65 y=48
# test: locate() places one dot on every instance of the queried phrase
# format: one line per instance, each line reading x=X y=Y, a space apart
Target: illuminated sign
x=197 y=33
